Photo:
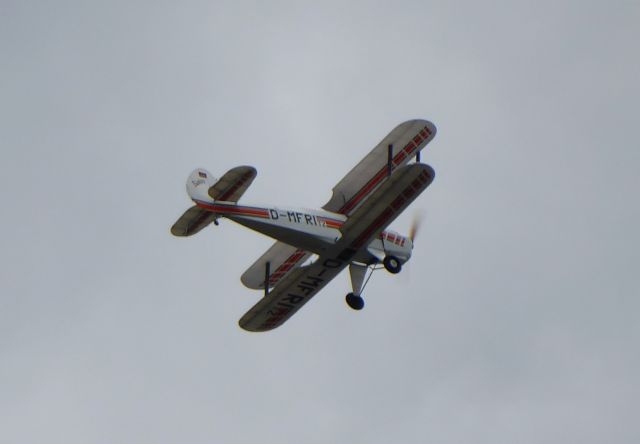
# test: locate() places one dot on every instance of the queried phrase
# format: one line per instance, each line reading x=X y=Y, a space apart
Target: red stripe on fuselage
x=235 y=210
x=331 y=223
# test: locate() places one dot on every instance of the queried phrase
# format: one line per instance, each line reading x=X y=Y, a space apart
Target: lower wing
x=290 y=295
x=282 y=259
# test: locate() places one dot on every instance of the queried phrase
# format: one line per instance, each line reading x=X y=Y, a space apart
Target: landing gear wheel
x=392 y=264
x=355 y=302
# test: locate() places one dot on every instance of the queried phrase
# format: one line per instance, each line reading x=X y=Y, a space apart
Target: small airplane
x=314 y=246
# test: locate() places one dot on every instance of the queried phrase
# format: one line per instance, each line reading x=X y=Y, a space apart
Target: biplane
x=314 y=246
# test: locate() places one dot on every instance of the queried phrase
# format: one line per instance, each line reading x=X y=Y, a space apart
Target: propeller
x=415 y=226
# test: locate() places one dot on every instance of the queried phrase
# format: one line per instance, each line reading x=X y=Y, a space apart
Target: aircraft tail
x=233 y=184
x=203 y=187
x=199 y=183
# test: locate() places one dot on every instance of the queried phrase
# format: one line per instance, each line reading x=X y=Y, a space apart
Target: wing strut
x=390 y=160
x=267 y=272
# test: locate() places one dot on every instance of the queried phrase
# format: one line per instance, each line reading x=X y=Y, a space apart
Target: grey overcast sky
x=516 y=321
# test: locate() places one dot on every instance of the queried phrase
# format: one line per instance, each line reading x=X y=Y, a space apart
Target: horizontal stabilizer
x=233 y=184
x=192 y=221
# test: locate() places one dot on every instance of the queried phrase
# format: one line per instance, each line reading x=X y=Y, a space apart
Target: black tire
x=392 y=264
x=355 y=302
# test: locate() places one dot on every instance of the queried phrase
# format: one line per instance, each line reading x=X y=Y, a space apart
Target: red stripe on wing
x=235 y=210
x=286 y=266
x=395 y=206
x=407 y=151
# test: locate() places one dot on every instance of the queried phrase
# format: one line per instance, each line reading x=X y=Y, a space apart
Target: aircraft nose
x=410 y=243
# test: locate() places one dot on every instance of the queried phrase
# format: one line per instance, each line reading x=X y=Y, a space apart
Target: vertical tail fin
x=198 y=184
x=195 y=219
x=203 y=187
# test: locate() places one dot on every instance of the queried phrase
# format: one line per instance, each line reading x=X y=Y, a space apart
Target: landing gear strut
x=358 y=273
x=359 y=280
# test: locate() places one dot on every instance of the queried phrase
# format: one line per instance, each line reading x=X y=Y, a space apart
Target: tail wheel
x=355 y=302
x=392 y=264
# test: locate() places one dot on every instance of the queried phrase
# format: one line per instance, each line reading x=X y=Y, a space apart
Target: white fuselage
x=312 y=230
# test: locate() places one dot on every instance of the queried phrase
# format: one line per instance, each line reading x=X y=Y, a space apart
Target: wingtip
x=246 y=326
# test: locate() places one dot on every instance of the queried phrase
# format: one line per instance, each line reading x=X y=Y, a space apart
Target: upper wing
x=192 y=221
x=407 y=139
x=282 y=259
x=292 y=293
x=233 y=184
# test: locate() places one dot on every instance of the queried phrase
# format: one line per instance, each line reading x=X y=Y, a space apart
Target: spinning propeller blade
x=415 y=226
